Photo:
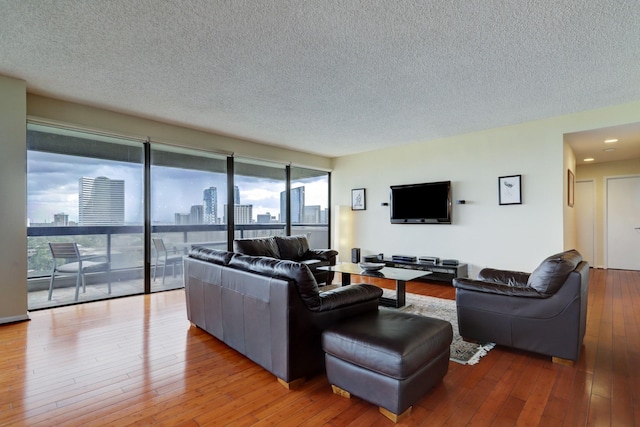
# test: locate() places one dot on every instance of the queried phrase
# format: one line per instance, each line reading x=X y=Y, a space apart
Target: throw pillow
x=292 y=247
x=257 y=247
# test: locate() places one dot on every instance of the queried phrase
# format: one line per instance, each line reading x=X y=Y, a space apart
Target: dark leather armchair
x=544 y=312
x=292 y=248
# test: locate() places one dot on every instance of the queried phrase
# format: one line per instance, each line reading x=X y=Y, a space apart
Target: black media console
x=439 y=272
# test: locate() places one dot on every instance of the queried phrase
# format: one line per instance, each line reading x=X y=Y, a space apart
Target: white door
x=585 y=201
x=623 y=222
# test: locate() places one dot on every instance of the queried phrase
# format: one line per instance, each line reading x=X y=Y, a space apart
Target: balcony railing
x=124 y=245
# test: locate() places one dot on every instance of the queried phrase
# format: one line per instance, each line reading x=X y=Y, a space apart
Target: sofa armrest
x=496 y=288
x=348 y=295
x=321 y=254
x=504 y=277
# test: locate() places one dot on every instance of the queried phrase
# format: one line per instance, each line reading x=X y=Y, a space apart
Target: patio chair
x=163 y=258
x=67 y=260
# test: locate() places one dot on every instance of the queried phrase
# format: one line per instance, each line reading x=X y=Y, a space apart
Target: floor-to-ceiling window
x=259 y=198
x=86 y=190
x=133 y=208
x=188 y=194
x=310 y=205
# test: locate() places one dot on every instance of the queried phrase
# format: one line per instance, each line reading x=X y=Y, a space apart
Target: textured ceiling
x=328 y=77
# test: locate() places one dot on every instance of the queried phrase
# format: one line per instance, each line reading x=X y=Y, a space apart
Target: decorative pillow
x=299 y=273
x=553 y=272
x=257 y=247
x=292 y=247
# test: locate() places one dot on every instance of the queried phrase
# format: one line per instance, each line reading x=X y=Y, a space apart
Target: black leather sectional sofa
x=268 y=309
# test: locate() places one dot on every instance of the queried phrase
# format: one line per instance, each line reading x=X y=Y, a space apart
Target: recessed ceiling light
x=589 y=159
x=610 y=141
x=609 y=149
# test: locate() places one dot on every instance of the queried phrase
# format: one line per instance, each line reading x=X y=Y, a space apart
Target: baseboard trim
x=14 y=319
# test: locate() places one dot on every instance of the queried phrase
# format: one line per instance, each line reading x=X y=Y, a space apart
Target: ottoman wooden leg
x=340 y=392
x=292 y=385
x=395 y=417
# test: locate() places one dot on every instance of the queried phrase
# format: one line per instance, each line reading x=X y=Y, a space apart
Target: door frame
x=605 y=227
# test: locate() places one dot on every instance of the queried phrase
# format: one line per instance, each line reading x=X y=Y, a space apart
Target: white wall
x=13 y=234
x=483 y=233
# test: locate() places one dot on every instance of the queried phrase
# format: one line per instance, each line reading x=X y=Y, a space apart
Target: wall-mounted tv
x=427 y=203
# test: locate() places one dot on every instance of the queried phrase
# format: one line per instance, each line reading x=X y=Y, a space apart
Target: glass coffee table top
x=400 y=275
x=385 y=273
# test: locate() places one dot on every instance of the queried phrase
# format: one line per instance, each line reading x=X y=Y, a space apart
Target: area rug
x=462 y=351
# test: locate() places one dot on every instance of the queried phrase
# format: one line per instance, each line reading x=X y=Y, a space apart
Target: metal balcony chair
x=67 y=260
x=163 y=258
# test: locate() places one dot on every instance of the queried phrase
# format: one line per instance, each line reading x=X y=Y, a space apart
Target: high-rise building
x=265 y=218
x=210 y=204
x=101 y=201
x=236 y=195
x=324 y=216
x=242 y=214
x=196 y=216
x=181 y=219
x=312 y=214
x=60 y=219
x=297 y=205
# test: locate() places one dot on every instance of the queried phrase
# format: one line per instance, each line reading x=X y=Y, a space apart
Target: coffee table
x=400 y=275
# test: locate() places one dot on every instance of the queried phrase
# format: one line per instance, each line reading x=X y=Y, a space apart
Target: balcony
x=124 y=247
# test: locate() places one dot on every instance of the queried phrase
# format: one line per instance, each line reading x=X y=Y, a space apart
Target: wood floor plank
x=539 y=396
x=138 y=361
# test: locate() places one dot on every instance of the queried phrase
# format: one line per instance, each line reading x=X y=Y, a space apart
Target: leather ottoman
x=388 y=358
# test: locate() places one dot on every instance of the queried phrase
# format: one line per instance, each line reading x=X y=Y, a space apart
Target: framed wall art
x=358 y=199
x=510 y=190
x=571 y=187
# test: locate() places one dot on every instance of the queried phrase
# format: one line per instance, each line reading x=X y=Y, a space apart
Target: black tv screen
x=427 y=203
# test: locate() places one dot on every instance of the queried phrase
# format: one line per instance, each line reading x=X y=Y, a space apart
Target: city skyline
x=207 y=212
x=53 y=188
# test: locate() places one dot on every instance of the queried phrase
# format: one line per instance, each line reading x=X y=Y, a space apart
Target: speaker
x=355 y=255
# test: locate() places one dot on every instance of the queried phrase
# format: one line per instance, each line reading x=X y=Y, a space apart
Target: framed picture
x=358 y=201
x=510 y=190
x=571 y=187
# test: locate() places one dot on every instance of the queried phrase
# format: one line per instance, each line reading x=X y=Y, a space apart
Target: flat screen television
x=427 y=203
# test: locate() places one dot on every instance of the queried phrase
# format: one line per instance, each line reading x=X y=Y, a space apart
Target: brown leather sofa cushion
x=299 y=273
x=549 y=276
x=257 y=247
x=212 y=255
x=292 y=247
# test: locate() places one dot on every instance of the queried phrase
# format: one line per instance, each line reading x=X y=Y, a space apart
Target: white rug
x=462 y=352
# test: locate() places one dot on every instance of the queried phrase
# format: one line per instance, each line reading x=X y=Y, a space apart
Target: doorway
x=623 y=222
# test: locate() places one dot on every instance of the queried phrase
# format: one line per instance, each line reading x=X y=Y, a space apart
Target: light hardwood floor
x=138 y=361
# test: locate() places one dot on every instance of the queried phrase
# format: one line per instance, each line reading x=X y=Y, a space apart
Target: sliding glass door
x=86 y=190
x=259 y=199
x=310 y=205
x=188 y=192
